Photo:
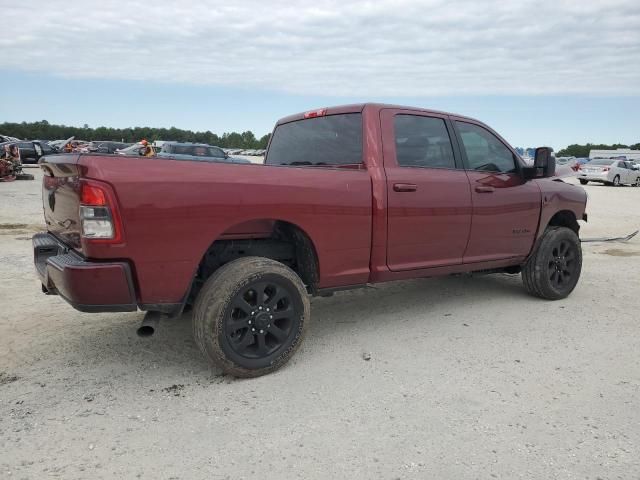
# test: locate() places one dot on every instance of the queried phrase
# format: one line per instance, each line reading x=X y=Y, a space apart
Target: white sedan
x=610 y=172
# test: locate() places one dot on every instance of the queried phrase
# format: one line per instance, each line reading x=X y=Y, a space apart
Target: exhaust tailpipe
x=149 y=324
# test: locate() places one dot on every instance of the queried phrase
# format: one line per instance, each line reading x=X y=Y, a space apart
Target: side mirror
x=544 y=164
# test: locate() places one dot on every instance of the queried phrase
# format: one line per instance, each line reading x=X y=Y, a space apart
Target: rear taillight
x=92 y=195
x=606 y=169
x=98 y=213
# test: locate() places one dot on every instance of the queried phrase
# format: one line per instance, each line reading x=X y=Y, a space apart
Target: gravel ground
x=461 y=377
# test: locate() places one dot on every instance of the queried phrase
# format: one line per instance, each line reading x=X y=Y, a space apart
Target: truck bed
x=173 y=210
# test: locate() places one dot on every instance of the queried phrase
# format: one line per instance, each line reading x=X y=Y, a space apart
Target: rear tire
x=637 y=184
x=251 y=316
x=583 y=182
x=616 y=181
x=553 y=270
x=24 y=176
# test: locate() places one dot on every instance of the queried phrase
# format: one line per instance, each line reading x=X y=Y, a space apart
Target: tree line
x=44 y=130
x=576 y=150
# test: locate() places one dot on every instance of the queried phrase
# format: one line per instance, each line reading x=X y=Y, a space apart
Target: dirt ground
x=466 y=377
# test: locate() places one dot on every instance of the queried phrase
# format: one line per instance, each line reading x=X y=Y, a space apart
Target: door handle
x=404 y=187
x=484 y=189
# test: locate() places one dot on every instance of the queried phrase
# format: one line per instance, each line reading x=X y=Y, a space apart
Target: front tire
x=583 y=182
x=553 y=270
x=251 y=316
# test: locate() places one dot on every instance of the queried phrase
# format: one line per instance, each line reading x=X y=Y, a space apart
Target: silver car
x=610 y=172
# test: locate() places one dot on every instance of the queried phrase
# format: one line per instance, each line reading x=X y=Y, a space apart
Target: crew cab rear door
x=506 y=208
x=429 y=200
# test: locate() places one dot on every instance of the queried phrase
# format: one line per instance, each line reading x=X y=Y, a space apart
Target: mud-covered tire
x=583 y=182
x=223 y=330
x=558 y=256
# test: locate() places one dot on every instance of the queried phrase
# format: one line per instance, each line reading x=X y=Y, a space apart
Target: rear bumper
x=88 y=286
x=594 y=177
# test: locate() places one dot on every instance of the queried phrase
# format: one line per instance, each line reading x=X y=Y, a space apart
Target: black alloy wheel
x=260 y=318
x=250 y=316
x=553 y=269
x=562 y=264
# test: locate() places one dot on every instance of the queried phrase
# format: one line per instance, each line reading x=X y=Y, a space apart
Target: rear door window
x=422 y=142
x=321 y=141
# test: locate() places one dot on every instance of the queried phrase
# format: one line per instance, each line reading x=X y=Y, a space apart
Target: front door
x=429 y=201
x=506 y=209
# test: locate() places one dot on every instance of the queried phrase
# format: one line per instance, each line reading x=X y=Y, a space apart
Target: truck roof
x=359 y=107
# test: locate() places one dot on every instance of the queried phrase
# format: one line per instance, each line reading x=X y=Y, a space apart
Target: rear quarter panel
x=172 y=211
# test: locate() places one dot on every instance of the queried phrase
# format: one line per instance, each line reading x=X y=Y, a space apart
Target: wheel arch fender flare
x=306 y=251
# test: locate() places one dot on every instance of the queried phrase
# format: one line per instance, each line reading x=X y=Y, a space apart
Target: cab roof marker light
x=321 y=112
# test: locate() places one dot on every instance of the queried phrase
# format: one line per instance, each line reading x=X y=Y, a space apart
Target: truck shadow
x=171 y=352
x=417 y=302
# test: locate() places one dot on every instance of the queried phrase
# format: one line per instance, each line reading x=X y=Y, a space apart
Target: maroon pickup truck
x=347 y=196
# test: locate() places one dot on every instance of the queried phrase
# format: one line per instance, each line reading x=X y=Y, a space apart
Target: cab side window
x=422 y=142
x=484 y=151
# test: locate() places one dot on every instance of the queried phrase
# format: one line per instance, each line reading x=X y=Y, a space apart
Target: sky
x=539 y=72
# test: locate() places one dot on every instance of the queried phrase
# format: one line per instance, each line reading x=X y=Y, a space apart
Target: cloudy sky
x=541 y=72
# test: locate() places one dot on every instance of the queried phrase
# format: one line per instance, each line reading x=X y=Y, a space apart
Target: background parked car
x=106 y=146
x=134 y=149
x=582 y=160
x=47 y=149
x=197 y=151
x=609 y=172
x=564 y=160
x=30 y=152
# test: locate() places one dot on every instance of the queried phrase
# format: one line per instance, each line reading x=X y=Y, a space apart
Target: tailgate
x=61 y=197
